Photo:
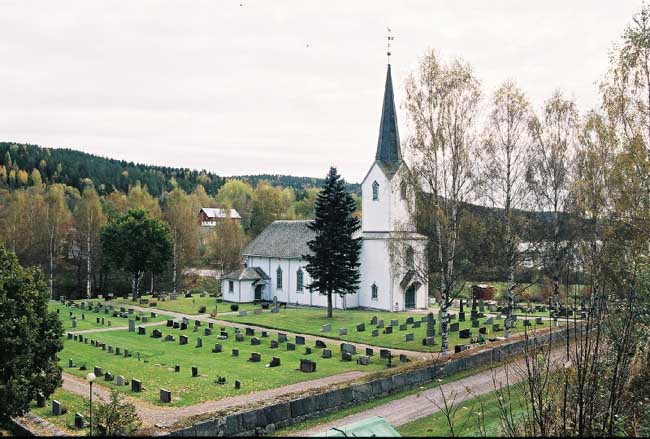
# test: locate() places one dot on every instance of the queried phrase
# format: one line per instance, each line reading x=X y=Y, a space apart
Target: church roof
x=389 y=153
x=247 y=273
x=281 y=239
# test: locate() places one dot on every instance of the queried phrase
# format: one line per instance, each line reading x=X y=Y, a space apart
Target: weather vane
x=389 y=39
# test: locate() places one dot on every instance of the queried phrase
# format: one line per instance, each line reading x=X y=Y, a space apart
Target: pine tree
x=333 y=263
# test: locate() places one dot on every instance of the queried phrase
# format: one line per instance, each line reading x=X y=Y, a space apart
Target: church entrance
x=258 y=292
x=409 y=297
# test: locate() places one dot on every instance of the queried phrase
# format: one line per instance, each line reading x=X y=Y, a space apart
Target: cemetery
x=77 y=318
x=190 y=372
x=192 y=304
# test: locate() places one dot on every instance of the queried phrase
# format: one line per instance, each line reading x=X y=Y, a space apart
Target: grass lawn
x=190 y=305
x=158 y=358
x=466 y=418
x=73 y=402
x=311 y=320
x=288 y=431
x=90 y=321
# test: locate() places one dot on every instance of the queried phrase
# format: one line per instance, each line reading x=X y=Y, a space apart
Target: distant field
x=90 y=320
x=158 y=358
x=311 y=321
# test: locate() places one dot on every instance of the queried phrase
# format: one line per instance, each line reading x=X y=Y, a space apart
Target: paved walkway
x=416 y=406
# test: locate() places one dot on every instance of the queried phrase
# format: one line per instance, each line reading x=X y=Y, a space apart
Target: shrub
x=234 y=307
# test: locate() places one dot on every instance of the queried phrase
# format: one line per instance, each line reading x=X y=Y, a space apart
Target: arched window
x=410 y=258
x=375 y=191
x=278 y=278
x=402 y=190
x=299 y=280
x=373 y=290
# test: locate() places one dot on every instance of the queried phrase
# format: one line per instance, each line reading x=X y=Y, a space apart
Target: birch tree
x=57 y=220
x=442 y=101
x=507 y=150
x=184 y=231
x=89 y=218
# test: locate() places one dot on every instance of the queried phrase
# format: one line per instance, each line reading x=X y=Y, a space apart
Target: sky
x=281 y=87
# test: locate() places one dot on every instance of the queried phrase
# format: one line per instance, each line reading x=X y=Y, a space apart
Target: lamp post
x=91 y=378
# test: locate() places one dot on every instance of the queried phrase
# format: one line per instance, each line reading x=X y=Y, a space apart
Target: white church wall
x=376 y=213
x=375 y=268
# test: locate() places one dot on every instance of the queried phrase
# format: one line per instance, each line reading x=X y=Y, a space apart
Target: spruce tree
x=333 y=263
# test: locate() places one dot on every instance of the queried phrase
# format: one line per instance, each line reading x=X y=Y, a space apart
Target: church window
x=373 y=290
x=402 y=190
x=299 y=280
x=410 y=258
x=375 y=191
x=231 y=286
x=278 y=278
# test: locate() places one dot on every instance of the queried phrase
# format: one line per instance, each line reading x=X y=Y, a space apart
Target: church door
x=258 y=292
x=409 y=297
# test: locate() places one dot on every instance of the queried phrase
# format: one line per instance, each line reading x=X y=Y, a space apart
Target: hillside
x=71 y=167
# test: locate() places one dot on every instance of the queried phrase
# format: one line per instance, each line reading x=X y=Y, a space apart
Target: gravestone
x=403 y=358
x=373 y=320
x=476 y=323
x=237 y=384
x=79 y=421
x=217 y=348
x=170 y=323
x=243 y=313
x=223 y=335
x=136 y=385
x=527 y=322
x=403 y=327
x=197 y=322
x=239 y=337
x=169 y=337
x=255 y=341
x=165 y=396
x=275 y=362
x=74 y=323
x=199 y=342
x=153 y=315
x=307 y=366
x=482 y=330
x=291 y=346
x=489 y=321
x=97 y=371
x=343 y=331
x=481 y=305
x=274 y=344
x=465 y=333
x=346 y=356
x=361 y=327
x=156 y=334
x=363 y=360
x=454 y=327
x=182 y=340
x=207 y=332
x=384 y=353
x=195 y=371
x=307 y=350
x=417 y=324
x=349 y=348
x=183 y=326
x=375 y=333
x=255 y=357
x=409 y=337
x=70 y=363
x=431 y=322
x=142 y=330
x=300 y=340
x=409 y=321
x=320 y=344
x=428 y=341
x=126 y=353
x=110 y=349
x=380 y=324
x=130 y=310
x=177 y=368
x=388 y=330
x=118 y=350
x=326 y=328
x=496 y=327
x=265 y=334
x=282 y=338
x=539 y=321
x=235 y=353
x=250 y=332
x=394 y=322
x=327 y=353
x=57 y=408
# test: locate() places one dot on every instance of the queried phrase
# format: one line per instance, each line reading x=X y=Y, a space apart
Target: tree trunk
x=152 y=277
x=329 y=304
x=174 y=268
x=88 y=266
x=51 y=266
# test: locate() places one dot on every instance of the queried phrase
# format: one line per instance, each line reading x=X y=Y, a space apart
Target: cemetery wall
x=267 y=419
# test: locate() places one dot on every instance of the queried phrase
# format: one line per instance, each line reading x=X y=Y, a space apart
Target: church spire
x=389 y=153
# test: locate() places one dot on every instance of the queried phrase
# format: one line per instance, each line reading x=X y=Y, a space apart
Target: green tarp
x=371 y=427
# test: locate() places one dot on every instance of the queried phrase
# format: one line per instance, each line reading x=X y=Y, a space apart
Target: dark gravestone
x=403 y=327
x=361 y=327
x=177 y=325
x=57 y=408
x=207 y=332
x=195 y=371
x=373 y=320
x=465 y=333
x=239 y=337
x=265 y=334
x=343 y=331
x=375 y=332
x=291 y=346
x=394 y=322
x=275 y=362
x=454 y=327
x=183 y=339
x=461 y=316
x=156 y=334
x=403 y=358
x=327 y=353
x=320 y=344
x=177 y=368
x=255 y=341
x=409 y=321
x=250 y=332
x=300 y=340
x=363 y=360
x=141 y=330
x=255 y=357
x=346 y=356
x=307 y=366
x=136 y=385
x=409 y=337
x=235 y=352
x=428 y=341
x=539 y=321
x=97 y=371
x=482 y=330
x=274 y=344
x=217 y=348
x=431 y=325
x=237 y=384
x=349 y=348
x=170 y=323
x=388 y=330
x=417 y=324
x=370 y=352
x=476 y=323
x=199 y=342
x=384 y=353
x=165 y=396
x=307 y=350
x=79 y=421
x=183 y=326
x=282 y=338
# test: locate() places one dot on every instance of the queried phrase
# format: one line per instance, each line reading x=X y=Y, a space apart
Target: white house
x=209 y=216
x=389 y=281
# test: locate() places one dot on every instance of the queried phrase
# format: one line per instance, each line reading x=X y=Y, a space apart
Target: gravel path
x=425 y=403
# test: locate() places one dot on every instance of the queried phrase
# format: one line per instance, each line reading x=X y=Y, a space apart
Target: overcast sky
x=260 y=86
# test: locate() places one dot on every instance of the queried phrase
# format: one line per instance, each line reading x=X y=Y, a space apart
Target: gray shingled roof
x=281 y=239
x=389 y=153
x=247 y=273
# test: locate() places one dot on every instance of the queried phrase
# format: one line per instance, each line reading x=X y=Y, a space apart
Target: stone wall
x=269 y=418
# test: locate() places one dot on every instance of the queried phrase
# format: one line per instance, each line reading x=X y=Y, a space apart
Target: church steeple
x=389 y=154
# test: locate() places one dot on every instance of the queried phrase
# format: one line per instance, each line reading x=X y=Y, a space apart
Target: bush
x=234 y=307
x=202 y=309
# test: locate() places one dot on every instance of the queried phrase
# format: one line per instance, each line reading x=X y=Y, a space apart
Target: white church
x=274 y=266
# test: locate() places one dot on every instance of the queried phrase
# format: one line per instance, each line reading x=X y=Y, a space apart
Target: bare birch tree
x=441 y=102
x=89 y=219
